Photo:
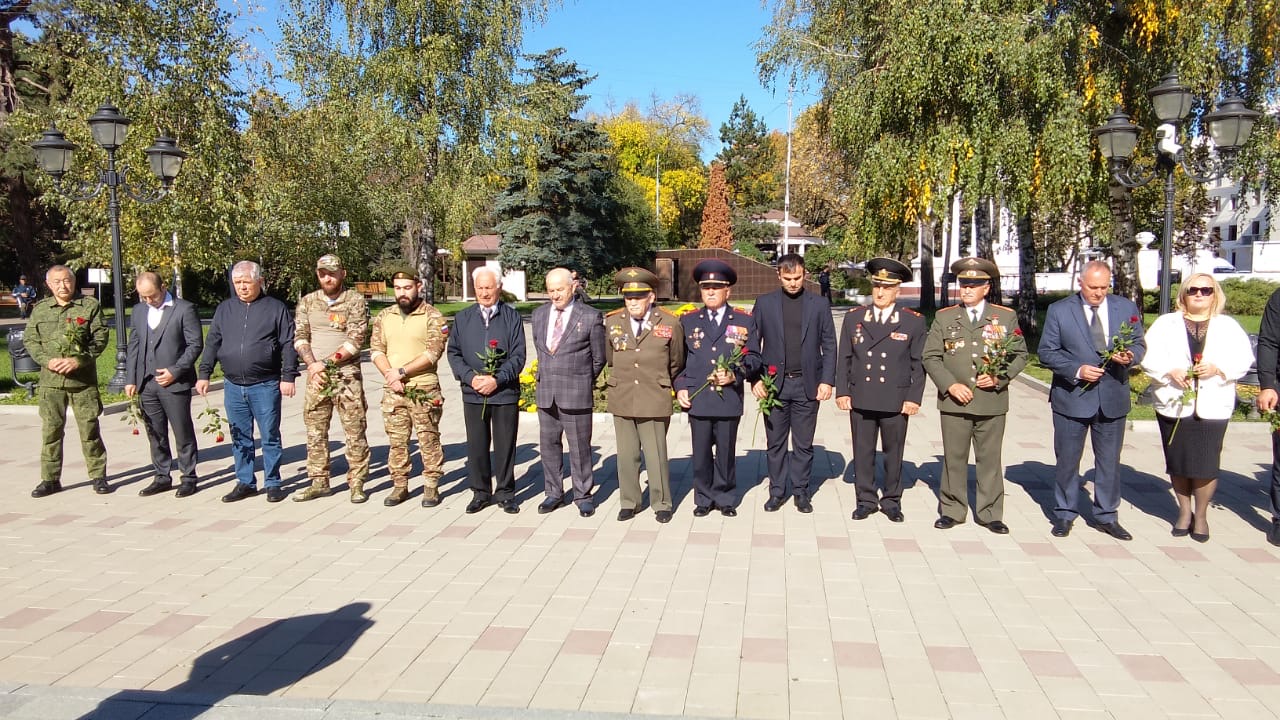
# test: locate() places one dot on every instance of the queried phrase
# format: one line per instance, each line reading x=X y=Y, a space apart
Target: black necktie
x=1095 y=331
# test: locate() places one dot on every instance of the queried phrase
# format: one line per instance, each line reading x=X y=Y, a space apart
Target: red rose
x=1196 y=358
x=218 y=438
x=1017 y=331
x=338 y=356
x=773 y=369
x=1134 y=319
x=80 y=321
x=437 y=402
x=493 y=344
x=135 y=431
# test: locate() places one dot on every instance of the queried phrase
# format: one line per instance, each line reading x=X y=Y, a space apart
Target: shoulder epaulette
x=668 y=313
x=1002 y=307
x=913 y=312
x=743 y=310
x=611 y=313
x=689 y=311
x=950 y=308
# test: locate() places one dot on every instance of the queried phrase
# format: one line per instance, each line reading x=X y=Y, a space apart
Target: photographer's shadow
x=261 y=662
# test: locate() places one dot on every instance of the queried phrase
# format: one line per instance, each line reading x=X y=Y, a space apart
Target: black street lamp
x=1229 y=127
x=109 y=127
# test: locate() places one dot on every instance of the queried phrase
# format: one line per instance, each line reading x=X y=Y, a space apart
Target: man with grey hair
x=486 y=352
x=569 y=337
x=252 y=337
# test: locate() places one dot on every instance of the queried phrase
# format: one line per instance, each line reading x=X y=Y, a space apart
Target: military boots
x=358 y=495
x=398 y=495
x=318 y=489
x=430 y=496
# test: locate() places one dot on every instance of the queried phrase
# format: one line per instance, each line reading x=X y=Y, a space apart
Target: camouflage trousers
x=401 y=418
x=87 y=406
x=348 y=399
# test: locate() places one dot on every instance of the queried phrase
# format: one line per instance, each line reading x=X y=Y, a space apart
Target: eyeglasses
x=1202 y=291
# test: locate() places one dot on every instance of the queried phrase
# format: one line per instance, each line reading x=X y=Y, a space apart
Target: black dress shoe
x=895 y=515
x=155 y=488
x=626 y=514
x=510 y=507
x=701 y=510
x=1273 y=534
x=46 y=488
x=1061 y=528
x=1199 y=537
x=773 y=504
x=1183 y=532
x=663 y=516
x=551 y=505
x=586 y=508
x=477 y=504
x=945 y=523
x=729 y=511
x=1114 y=530
x=997 y=527
x=275 y=494
x=186 y=489
x=803 y=504
x=865 y=511
x=101 y=487
x=240 y=492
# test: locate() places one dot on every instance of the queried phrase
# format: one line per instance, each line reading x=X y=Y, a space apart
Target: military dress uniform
x=716 y=410
x=880 y=369
x=45 y=338
x=329 y=328
x=953 y=350
x=644 y=359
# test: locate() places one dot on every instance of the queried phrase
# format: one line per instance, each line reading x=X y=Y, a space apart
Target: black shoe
x=1114 y=530
x=46 y=488
x=865 y=511
x=945 y=523
x=275 y=494
x=997 y=527
x=586 y=508
x=626 y=514
x=1199 y=537
x=552 y=504
x=510 y=507
x=477 y=504
x=895 y=515
x=803 y=504
x=1273 y=535
x=1061 y=528
x=397 y=496
x=729 y=511
x=101 y=487
x=663 y=516
x=155 y=488
x=240 y=492
x=701 y=510
x=1183 y=532
x=186 y=489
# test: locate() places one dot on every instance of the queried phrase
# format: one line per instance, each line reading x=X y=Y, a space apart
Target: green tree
x=717 y=226
x=750 y=163
x=559 y=207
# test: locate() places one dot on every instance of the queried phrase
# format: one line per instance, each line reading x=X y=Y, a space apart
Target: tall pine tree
x=750 y=162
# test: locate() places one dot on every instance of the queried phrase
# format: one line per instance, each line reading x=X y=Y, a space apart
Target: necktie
x=557 y=330
x=1095 y=331
x=488 y=315
x=636 y=325
x=973 y=315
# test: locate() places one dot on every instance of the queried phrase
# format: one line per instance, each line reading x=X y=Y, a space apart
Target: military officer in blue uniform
x=722 y=349
x=880 y=381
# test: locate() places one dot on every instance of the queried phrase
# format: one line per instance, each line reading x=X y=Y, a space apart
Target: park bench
x=371 y=289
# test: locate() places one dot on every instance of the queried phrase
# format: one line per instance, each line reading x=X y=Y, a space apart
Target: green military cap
x=329 y=262
x=635 y=280
x=404 y=272
x=974 y=270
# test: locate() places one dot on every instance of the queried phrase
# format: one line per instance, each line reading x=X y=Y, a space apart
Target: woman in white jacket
x=1194 y=357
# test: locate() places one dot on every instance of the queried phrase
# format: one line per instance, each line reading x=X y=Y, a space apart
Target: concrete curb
x=112 y=409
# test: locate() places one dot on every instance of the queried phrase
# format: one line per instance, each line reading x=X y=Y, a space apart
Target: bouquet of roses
x=75 y=338
x=213 y=422
x=1120 y=344
x=1189 y=394
x=418 y=396
x=491 y=359
x=996 y=353
x=722 y=363
x=770 y=399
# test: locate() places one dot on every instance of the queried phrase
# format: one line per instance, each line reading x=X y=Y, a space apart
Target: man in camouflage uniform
x=330 y=328
x=65 y=334
x=408 y=342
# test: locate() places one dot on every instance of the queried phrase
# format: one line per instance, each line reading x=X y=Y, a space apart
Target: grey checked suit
x=566 y=378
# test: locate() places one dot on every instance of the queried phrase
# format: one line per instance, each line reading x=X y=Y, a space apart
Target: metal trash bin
x=21 y=359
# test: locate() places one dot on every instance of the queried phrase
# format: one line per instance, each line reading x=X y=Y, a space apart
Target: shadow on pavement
x=261 y=662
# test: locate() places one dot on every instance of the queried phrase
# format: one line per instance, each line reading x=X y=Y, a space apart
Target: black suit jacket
x=175 y=344
x=818 y=339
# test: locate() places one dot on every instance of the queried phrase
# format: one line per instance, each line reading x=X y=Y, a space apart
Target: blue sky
x=704 y=48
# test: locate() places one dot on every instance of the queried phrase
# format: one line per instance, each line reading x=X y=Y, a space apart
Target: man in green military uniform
x=972 y=352
x=644 y=348
x=407 y=344
x=65 y=334
x=330 y=328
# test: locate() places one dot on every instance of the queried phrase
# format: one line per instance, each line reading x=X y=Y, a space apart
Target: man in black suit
x=569 y=337
x=881 y=379
x=712 y=393
x=798 y=337
x=164 y=341
x=489 y=333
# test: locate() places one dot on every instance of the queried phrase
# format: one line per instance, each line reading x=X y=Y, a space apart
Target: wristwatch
x=402 y=372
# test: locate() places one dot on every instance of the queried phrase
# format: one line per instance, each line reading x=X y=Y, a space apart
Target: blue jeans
x=245 y=405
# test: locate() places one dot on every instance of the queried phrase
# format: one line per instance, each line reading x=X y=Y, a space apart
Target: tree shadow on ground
x=260 y=662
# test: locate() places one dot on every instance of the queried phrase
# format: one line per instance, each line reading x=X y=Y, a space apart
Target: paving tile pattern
x=139 y=607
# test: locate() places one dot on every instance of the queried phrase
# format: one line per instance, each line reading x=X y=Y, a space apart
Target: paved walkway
x=126 y=607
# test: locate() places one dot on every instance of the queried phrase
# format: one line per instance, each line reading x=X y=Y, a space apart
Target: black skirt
x=1195 y=450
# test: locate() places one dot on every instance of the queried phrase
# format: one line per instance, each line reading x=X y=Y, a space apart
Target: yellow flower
x=532 y=408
